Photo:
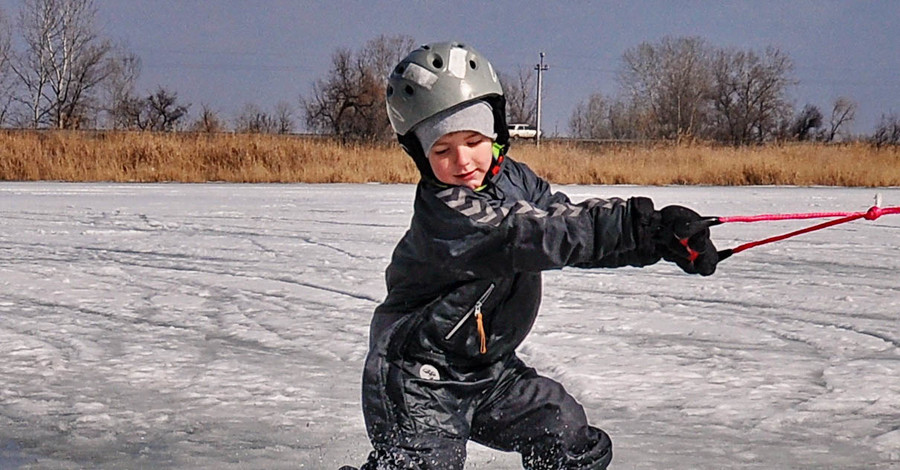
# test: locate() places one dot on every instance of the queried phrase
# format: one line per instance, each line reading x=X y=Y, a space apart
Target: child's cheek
x=441 y=169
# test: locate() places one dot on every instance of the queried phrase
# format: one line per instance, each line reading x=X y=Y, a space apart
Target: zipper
x=482 y=338
x=479 y=320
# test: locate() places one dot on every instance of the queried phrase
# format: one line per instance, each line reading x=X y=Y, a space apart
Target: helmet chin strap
x=496 y=162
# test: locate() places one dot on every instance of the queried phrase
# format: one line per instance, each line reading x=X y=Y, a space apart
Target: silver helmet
x=436 y=77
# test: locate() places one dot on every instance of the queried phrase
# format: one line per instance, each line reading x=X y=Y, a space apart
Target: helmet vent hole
x=390 y=90
x=473 y=65
x=437 y=62
x=409 y=90
x=400 y=69
x=427 y=47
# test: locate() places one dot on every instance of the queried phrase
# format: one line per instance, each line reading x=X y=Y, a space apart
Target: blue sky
x=228 y=53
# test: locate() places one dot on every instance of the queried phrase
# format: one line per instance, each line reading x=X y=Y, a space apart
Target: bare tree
x=253 y=120
x=117 y=92
x=31 y=66
x=208 y=121
x=600 y=117
x=163 y=111
x=284 y=118
x=339 y=103
x=669 y=83
x=159 y=111
x=626 y=122
x=805 y=124
x=7 y=84
x=350 y=101
x=127 y=113
x=590 y=120
x=63 y=60
x=682 y=87
x=750 y=94
x=382 y=53
x=888 y=131
x=843 y=112
x=520 y=91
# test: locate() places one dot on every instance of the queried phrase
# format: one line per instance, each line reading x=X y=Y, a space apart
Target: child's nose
x=463 y=155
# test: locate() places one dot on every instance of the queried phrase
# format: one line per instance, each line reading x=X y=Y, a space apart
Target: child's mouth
x=467 y=175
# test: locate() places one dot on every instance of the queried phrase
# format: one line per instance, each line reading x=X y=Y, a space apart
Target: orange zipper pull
x=482 y=337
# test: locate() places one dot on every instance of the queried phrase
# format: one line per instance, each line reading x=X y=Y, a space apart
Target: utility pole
x=541 y=68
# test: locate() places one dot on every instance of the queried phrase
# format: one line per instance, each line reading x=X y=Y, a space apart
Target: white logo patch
x=429 y=372
x=421 y=75
x=457 y=62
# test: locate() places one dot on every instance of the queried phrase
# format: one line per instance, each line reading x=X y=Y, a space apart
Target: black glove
x=645 y=220
x=683 y=240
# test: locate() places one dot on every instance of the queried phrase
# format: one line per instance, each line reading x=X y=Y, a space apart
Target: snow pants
x=420 y=412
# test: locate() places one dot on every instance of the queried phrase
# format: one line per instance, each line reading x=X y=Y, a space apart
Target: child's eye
x=439 y=151
x=474 y=142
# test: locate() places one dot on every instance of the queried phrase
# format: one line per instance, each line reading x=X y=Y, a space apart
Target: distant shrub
x=888 y=131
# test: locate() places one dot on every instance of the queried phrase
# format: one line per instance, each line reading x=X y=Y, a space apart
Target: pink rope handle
x=873 y=213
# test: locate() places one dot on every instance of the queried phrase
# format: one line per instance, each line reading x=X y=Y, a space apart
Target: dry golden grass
x=665 y=164
x=149 y=157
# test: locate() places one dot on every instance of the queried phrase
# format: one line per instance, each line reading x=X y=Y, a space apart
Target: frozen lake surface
x=224 y=326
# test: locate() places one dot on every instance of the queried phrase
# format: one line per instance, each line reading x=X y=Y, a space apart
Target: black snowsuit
x=464 y=287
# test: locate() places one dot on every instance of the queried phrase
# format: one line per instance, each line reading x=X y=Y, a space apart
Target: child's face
x=461 y=158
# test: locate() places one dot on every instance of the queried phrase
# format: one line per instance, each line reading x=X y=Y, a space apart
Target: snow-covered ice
x=224 y=326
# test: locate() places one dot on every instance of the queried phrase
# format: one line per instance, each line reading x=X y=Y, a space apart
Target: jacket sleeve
x=473 y=237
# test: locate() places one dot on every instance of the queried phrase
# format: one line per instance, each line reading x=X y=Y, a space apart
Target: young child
x=464 y=283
